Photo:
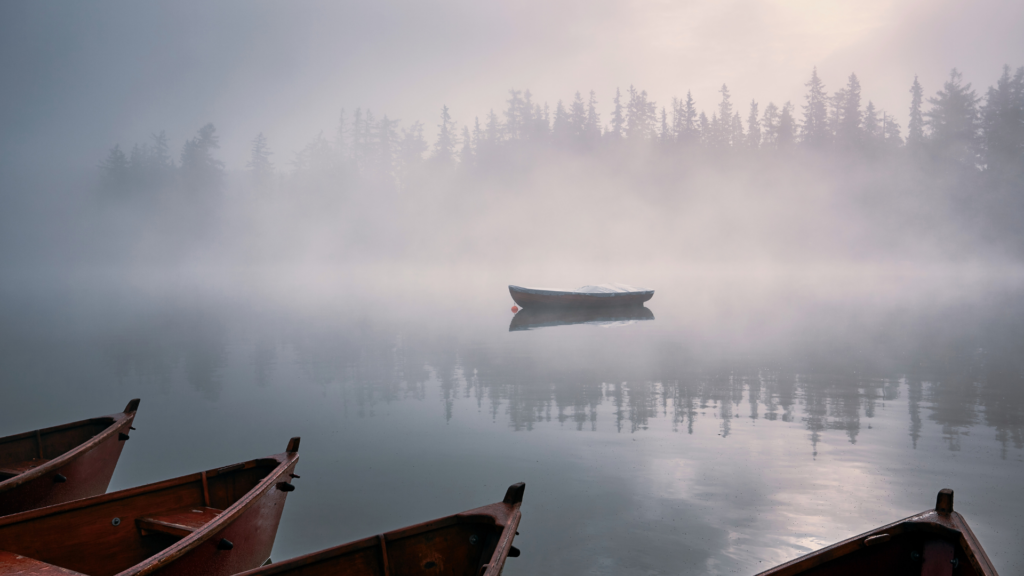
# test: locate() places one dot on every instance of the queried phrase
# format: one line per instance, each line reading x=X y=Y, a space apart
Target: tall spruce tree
x=259 y=164
x=953 y=121
x=200 y=171
x=815 y=130
x=787 y=127
x=753 y=128
x=848 y=130
x=444 y=148
x=1003 y=124
x=770 y=126
x=593 y=125
x=616 y=128
x=915 y=128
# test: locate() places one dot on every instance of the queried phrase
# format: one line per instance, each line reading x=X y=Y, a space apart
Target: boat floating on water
x=62 y=463
x=933 y=543
x=472 y=543
x=215 y=523
x=600 y=295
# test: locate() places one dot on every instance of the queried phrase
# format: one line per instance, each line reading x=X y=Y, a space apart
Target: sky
x=79 y=77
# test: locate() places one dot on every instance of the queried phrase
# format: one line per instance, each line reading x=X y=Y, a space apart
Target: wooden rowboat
x=933 y=543
x=62 y=463
x=473 y=543
x=214 y=523
x=602 y=295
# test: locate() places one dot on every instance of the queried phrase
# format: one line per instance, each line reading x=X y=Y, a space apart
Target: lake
x=753 y=415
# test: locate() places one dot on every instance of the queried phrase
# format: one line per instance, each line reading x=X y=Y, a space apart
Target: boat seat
x=12 y=469
x=24 y=566
x=178 y=523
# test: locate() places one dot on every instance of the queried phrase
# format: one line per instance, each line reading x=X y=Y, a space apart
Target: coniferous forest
x=831 y=176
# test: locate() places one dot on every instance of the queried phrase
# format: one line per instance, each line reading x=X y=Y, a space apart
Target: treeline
x=955 y=126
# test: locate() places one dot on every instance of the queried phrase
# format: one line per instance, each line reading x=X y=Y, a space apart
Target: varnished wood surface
x=932 y=543
x=62 y=463
x=107 y=535
x=472 y=543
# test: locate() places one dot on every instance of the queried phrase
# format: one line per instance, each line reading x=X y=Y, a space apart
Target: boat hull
x=75 y=461
x=933 y=543
x=215 y=523
x=473 y=543
x=538 y=298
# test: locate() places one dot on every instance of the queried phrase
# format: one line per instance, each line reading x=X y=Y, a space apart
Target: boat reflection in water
x=530 y=318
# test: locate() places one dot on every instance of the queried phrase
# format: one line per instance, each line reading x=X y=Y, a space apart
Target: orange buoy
x=515 y=309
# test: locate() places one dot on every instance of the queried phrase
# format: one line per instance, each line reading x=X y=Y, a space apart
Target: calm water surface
x=745 y=424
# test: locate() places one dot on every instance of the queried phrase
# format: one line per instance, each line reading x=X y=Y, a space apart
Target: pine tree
x=738 y=138
x=200 y=171
x=787 y=127
x=664 y=132
x=753 y=128
x=704 y=130
x=115 y=170
x=593 y=125
x=259 y=164
x=411 y=148
x=577 y=118
x=514 y=121
x=690 y=133
x=561 y=130
x=493 y=130
x=873 y=133
x=724 y=137
x=848 y=130
x=466 y=154
x=618 y=121
x=891 y=131
x=359 y=144
x=1003 y=123
x=444 y=148
x=387 y=147
x=770 y=123
x=815 y=130
x=915 y=129
x=953 y=121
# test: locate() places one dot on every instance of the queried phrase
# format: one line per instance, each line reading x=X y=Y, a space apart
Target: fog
x=330 y=199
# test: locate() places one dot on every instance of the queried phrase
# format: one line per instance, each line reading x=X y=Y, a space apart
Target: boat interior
x=454 y=546
x=23 y=452
x=107 y=534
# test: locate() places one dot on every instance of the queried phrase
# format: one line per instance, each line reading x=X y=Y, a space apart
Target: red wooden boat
x=473 y=543
x=214 y=523
x=933 y=543
x=62 y=463
x=602 y=295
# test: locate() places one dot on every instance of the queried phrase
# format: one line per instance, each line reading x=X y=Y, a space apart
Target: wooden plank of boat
x=932 y=543
x=215 y=523
x=62 y=463
x=603 y=295
x=531 y=318
x=473 y=543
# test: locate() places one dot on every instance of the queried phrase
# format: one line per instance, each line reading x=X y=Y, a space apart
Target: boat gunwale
x=157 y=561
x=544 y=292
x=928 y=521
x=503 y=514
x=118 y=422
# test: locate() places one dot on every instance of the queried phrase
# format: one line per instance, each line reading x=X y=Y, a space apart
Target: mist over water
x=836 y=331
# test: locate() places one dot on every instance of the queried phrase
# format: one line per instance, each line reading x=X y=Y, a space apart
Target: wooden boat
x=62 y=463
x=214 y=523
x=933 y=543
x=602 y=295
x=531 y=318
x=473 y=543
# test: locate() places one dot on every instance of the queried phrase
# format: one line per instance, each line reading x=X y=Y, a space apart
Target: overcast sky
x=78 y=77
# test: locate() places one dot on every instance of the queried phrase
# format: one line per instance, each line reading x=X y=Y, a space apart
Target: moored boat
x=215 y=523
x=933 y=543
x=601 y=295
x=472 y=543
x=62 y=463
